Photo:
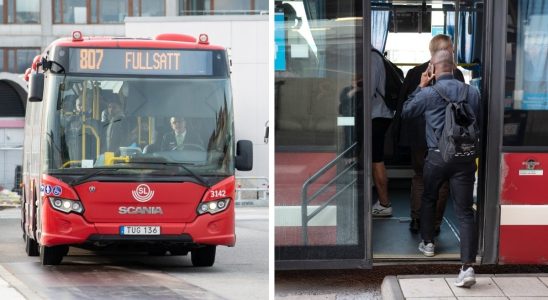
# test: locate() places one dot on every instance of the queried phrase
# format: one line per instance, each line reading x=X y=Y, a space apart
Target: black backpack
x=459 y=137
x=393 y=82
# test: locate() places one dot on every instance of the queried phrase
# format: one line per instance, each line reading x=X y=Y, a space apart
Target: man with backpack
x=451 y=111
x=381 y=115
x=411 y=133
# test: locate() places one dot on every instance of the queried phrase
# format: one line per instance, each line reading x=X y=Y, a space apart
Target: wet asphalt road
x=240 y=272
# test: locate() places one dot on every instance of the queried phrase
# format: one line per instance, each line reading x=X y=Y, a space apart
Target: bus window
x=526 y=100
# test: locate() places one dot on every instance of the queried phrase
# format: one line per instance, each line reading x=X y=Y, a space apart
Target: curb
x=18 y=285
x=252 y=202
x=390 y=289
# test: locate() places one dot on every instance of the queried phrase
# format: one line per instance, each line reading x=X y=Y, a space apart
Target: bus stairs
x=391 y=238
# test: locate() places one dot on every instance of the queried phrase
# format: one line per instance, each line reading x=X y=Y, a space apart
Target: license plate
x=139 y=230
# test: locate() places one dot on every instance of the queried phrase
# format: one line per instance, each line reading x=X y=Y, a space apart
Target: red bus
x=130 y=141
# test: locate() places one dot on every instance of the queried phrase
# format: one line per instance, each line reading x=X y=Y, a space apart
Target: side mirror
x=244 y=155
x=36 y=87
x=266 y=132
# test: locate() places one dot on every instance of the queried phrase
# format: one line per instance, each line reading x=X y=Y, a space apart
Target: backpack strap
x=462 y=96
x=464 y=93
x=441 y=94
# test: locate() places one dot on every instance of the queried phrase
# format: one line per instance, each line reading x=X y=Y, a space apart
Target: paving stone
x=425 y=287
x=433 y=298
x=308 y=297
x=544 y=279
x=3 y=283
x=484 y=287
x=528 y=298
x=10 y=293
x=522 y=286
x=482 y=298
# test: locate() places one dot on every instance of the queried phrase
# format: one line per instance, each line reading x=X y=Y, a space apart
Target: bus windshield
x=132 y=123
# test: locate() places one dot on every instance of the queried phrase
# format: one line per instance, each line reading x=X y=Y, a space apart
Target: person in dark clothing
x=117 y=127
x=381 y=117
x=412 y=134
x=180 y=137
x=461 y=175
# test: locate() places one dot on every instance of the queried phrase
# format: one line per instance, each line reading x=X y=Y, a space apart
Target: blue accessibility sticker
x=57 y=190
x=47 y=189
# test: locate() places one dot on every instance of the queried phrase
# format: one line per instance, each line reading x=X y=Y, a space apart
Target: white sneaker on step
x=380 y=211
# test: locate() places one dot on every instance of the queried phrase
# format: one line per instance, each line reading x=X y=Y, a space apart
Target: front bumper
x=71 y=229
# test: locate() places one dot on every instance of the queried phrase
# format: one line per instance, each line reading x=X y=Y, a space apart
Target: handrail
x=95 y=135
x=305 y=217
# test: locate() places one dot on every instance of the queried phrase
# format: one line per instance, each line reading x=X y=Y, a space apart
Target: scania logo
x=140 y=210
x=142 y=193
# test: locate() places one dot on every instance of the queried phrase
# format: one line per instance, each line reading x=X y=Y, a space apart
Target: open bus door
x=403 y=30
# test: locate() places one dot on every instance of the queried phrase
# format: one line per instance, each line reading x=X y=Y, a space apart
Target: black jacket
x=412 y=132
x=169 y=142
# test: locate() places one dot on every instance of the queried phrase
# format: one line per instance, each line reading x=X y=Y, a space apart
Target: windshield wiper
x=99 y=171
x=200 y=178
x=91 y=174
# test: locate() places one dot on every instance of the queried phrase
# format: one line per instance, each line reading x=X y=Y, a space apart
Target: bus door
x=402 y=31
x=523 y=164
x=321 y=205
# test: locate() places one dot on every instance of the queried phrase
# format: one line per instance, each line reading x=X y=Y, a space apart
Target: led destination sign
x=141 y=61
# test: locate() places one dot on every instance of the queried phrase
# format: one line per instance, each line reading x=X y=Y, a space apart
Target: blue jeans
x=461 y=186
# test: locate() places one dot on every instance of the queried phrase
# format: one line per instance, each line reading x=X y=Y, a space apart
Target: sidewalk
x=488 y=287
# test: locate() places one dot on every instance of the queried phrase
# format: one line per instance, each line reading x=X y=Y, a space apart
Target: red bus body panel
x=177 y=200
x=523 y=244
x=524 y=182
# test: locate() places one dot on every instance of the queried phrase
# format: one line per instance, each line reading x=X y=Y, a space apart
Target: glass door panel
x=319 y=196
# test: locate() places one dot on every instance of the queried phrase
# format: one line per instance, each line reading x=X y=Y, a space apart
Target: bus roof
x=164 y=41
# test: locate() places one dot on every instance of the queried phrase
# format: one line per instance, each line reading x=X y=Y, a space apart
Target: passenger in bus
x=72 y=122
x=116 y=129
x=180 y=137
x=381 y=117
x=461 y=175
x=350 y=104
x=412 y=134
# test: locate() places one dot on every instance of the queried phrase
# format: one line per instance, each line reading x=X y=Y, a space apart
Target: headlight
x=213 y=207
x=66 y=205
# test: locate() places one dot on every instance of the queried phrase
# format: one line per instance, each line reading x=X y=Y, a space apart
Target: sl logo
x=142 y=193
x=530 y=164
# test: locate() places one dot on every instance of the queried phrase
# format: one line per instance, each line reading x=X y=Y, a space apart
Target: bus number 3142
x=91 y=59
x=217 y=193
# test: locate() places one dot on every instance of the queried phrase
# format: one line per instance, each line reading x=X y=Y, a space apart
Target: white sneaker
x=466 y=278
x=427 y=249
x=380 y=211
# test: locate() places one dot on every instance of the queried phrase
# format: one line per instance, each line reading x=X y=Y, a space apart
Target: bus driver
x=180 y=137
